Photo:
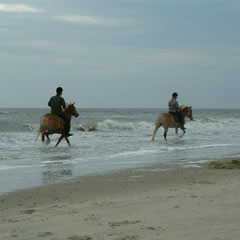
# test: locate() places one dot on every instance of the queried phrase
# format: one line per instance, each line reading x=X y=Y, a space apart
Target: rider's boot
x=67 y=130
x=182 y=127
x=67 y=134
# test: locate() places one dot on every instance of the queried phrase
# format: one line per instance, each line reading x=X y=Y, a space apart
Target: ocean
x=118 y=139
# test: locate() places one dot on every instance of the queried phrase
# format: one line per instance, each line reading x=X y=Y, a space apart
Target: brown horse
x=51 y=124
x=167 y=121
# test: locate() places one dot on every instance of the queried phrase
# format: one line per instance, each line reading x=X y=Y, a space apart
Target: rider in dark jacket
x=57 y=104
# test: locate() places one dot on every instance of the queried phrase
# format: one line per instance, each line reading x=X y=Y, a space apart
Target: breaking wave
x=114 y=125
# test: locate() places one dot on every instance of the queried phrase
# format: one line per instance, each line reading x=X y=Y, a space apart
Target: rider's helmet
x=174 y=94
x=59 y=90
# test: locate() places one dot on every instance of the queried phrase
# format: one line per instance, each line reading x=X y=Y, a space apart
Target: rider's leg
x=181 y=120
x=67 y=125
x=67 y=128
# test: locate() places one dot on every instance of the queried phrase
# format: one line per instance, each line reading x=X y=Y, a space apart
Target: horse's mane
x=67 y=107
x=68 y=104
x=183 y=106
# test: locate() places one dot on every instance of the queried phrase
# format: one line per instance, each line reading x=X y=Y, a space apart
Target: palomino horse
x=167 y=121
x=51 y=124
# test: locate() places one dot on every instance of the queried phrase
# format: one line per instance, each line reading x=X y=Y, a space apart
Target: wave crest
x=114 y=125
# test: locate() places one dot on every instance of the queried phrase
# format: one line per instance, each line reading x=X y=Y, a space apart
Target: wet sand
x=148 y=204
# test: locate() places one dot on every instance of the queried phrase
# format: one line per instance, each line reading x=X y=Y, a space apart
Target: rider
x=173 y=108
x=57 y=104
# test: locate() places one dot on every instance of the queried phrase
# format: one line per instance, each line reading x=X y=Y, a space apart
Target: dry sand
x=148 y=204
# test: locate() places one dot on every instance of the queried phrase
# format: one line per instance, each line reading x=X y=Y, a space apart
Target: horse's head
x=71 y=110
x=187 y=111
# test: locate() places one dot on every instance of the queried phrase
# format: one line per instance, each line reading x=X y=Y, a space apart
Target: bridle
x=189 y=112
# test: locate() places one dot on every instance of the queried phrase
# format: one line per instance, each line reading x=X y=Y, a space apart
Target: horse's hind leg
x=157 y=126
x=68 y=142
x=165 y=133
x=182 y=133
x=48 y=139
x=176 y=131
x=43 y=137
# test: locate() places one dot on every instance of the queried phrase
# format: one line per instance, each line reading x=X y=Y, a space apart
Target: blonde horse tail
x=40 y=131
x=157 y=126
x=37 y=136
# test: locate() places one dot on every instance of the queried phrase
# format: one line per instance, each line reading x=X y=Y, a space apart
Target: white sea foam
x=4 y=168
x=4 y=112
x=109 y=124
x=204 y=124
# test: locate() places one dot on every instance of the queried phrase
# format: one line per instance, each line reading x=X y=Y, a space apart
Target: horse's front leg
x=183 y=132
x=68 y=142
x=59 y=140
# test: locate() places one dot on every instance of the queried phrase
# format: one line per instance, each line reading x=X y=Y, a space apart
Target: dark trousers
x=178 y=118
x=67 y=122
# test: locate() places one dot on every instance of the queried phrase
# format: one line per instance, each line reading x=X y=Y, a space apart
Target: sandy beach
x=147 y=203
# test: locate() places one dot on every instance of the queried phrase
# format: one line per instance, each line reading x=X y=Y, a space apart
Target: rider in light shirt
x=173 y=108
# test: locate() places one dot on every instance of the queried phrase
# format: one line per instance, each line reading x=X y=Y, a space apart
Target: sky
x=120 y=53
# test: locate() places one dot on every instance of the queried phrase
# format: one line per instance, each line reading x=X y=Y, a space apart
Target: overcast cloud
x=120 y=53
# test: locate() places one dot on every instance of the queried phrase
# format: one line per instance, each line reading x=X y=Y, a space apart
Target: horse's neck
x=67 y=113
x=184 y=112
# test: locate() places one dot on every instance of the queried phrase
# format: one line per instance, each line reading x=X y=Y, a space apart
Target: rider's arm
x=49 y=102
x=63 y=104
x=177 y=105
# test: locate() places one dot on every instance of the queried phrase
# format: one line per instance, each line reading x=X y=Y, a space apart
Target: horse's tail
x=41 y=128
x=39 y=132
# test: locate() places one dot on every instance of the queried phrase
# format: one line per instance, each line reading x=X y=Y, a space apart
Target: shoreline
x=156 y=166
x=132 y=204
x=64 y=176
